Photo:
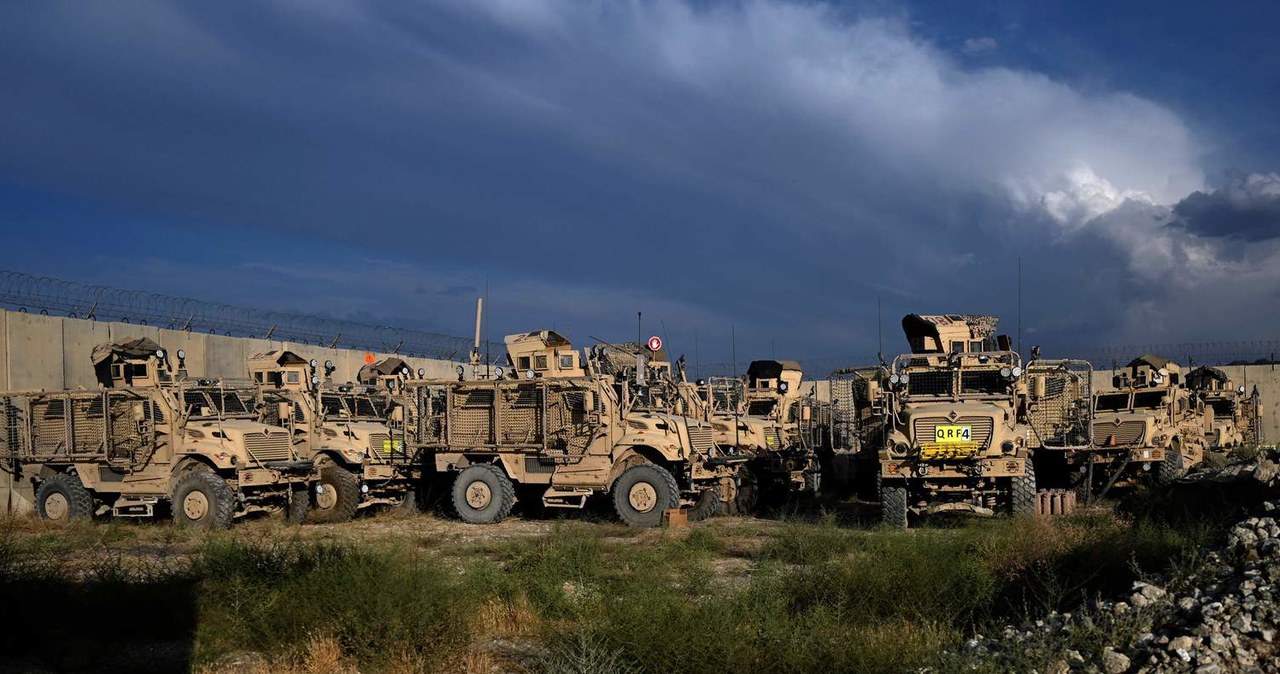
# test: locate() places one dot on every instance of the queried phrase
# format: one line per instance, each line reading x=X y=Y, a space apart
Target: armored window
x=930 y=383
x=566 y=362
x=957 y=347
x=524 y=362
x=138 y=370
x=364 y=407
x=1112 y=402
x=232 y=404
x=1223 y=408
x=117 y=371
x=259 y=377
x=293 y=378
x=983 y=382
x=332 y=405
x=761 y=408
x=539 y=362
x=194 y=400
x=1149 y=400
x=975 y=347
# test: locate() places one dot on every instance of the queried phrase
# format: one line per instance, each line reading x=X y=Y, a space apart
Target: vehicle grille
x=702 y=438
x=377 y=443
x=772 y=438
x=274 y=447
x=982 y=426
x=1127 y=433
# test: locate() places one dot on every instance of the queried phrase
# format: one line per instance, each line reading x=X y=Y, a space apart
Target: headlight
x=900 y=449
x=1017 y=371
x=160 y=354
x=183 y=354
x=312 y=362
x=893 y=379
x=1007 y=446
x=1006 y=372
x=903 y=379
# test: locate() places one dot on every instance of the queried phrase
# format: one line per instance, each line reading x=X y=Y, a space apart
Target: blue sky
x=769 y=165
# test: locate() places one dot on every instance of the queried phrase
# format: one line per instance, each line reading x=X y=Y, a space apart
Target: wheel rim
x=195 y=506
x=728 y=490
x=56 y=506
x=479 y=496
x=327 y=498
x=642 y=497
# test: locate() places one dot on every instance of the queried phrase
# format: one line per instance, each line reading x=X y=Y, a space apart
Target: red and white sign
x=655 y=343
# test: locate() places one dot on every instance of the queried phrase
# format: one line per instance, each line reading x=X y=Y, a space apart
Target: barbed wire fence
x=57 y=297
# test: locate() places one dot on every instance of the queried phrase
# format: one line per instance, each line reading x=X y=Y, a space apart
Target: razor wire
x=57 y=297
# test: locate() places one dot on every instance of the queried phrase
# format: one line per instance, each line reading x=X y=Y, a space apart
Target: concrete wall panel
x=78 y=339
x=35 y=351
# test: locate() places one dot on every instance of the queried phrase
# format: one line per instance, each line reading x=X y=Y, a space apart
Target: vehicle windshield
x=1149 y=400
x=1112 y=402
x=983 y=382
x=1223 y=408
x=355 y=406
x=761 y=408
x=217 y=402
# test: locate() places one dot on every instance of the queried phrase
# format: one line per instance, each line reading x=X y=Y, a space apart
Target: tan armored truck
x=151 y=441
x=566 y=433
x=767 y=420
x=1237 y=417
x=1146 y=427
x=850 y=458
x=955 y=438
x=363 y=463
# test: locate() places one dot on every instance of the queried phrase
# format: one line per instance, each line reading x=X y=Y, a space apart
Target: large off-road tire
x=62 y=498
x=482 y=494
x=812 y=481
x=642 y=493
x=746 y=495
x=299 y=505
x=1170 y=469
x=707 y=504
x=337 y=494
x=202 y=499
x=409 y=506
x=893 y=504
x=1022 y=492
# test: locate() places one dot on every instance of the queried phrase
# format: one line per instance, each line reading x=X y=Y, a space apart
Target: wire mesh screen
x=520 y=412
x=470 y=422
x=1060 y=396
x=930 y=382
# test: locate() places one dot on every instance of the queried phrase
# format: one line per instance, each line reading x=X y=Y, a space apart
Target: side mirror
x=589 y=401
x=397 y=413
x=139 y=412
x=806 y=413
x=284 y=410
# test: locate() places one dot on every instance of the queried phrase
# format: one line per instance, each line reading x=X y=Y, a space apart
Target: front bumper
x=985 y=467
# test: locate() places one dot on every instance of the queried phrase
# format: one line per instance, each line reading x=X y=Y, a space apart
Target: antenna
x=475 y=347
x=488 y=361
x=879 y=332
x=733 y=346
x=1019 y=306
x=697 y=355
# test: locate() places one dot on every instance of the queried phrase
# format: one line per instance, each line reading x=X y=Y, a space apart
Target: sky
x=761 y=173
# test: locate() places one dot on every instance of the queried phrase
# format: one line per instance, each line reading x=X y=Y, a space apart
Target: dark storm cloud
x=766 y=163
x=1246 y=208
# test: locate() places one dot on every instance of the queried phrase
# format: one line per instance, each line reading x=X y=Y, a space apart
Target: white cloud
x=979 y=45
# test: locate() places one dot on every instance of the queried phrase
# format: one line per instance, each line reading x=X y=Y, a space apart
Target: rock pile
x=1219 y=617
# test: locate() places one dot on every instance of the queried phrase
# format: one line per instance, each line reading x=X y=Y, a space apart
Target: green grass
x=790 y=597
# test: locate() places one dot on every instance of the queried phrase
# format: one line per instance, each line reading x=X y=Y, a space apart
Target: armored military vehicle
x=955 y=438
x=1145 y=427
x=153 y=441
x=567 y=432
x=363 y=462
x=1237 y=417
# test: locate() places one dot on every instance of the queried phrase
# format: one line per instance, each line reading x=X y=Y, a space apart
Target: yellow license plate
x=948 y=435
